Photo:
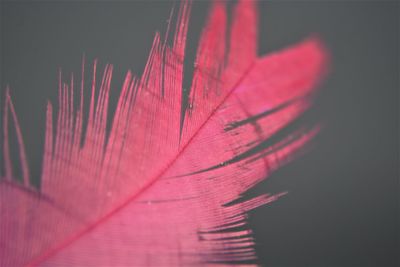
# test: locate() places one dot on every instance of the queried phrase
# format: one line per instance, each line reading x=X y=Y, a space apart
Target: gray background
x=343 y=206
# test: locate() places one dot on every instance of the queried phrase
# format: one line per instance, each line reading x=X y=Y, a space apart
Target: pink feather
x=159 y=190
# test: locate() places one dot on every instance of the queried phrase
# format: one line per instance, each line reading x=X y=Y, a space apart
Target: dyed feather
x=163 y=187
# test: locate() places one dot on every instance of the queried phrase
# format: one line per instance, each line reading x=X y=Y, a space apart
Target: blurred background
x=343 y=203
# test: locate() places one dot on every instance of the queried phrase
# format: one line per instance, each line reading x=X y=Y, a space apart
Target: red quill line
x=161 y=189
